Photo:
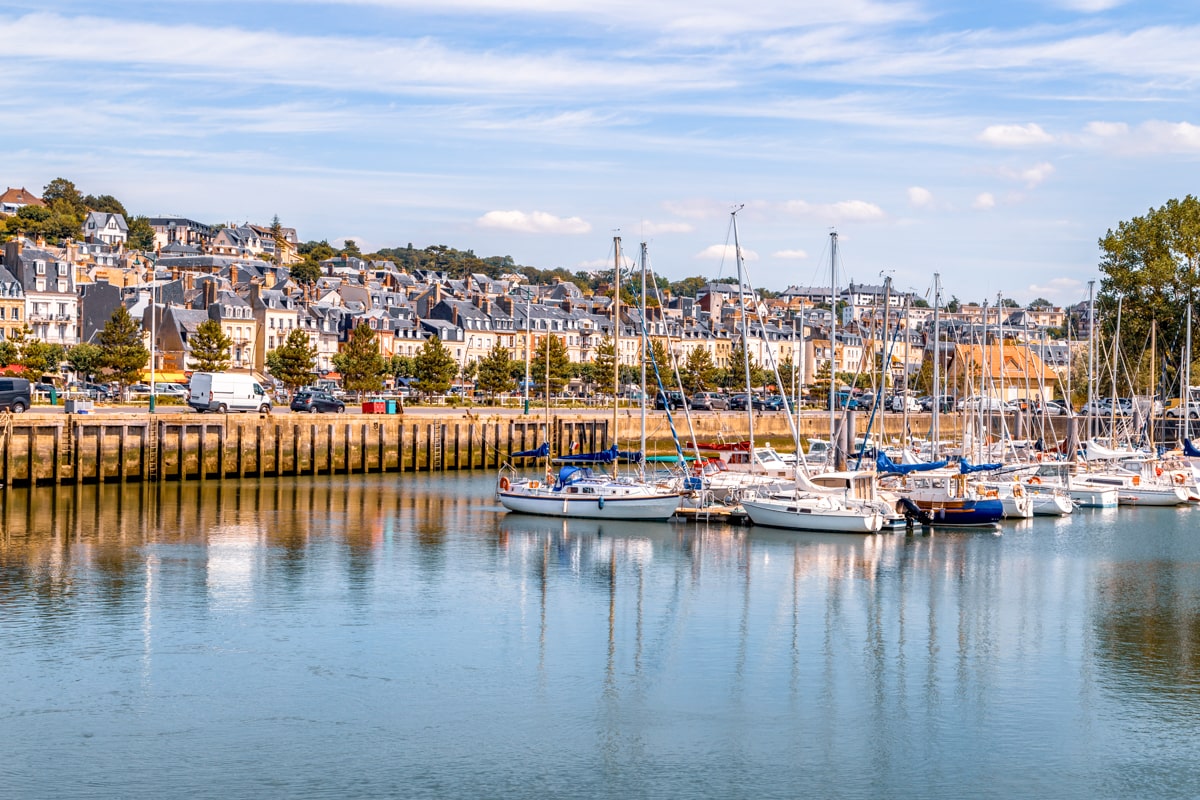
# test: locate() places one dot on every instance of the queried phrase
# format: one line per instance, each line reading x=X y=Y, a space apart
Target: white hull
x=549 y=503
x=1093 y=497
x=1017 y=507
x=1144 y=496
x=1051 y=505
x=806 y=515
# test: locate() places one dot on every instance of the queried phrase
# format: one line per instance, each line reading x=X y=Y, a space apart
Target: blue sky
x=991 y=142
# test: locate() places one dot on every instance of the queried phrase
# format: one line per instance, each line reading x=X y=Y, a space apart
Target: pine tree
x=434 y=367
x=123 y=356
x=560 y=364
x=292 y=362
x=699 y=371
x=85 y=359
x=820 y=384
x=360 y=363
x=604 y=364
x=210 y=347
x=495 y=372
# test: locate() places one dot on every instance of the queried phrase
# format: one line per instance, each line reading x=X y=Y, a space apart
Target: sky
x=992 y=143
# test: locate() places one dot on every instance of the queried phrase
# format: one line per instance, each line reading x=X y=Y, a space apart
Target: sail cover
x=885 y=464
x=1189 y=449
x=966 y=467
x=542 y=451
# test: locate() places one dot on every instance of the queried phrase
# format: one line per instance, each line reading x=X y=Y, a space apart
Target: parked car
x=669 y=401
x=945 y=403
x=778 y=402
x=171 y=390
x=316 y=400
x=986 y=404
x=94 y=391
x=1051 y=408
x=905 y=402
x=708 y=401
x=15 y=395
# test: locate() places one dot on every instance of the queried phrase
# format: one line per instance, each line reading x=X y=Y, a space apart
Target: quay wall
x=118 y=447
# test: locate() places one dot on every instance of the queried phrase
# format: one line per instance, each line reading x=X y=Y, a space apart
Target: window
x=62 y=269
x=41 y=268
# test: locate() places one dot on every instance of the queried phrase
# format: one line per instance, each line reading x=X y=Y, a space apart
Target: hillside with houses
x=260 y=282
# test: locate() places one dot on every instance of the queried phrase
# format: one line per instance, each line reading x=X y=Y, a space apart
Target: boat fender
x=1157 y=471
x=534 y=484
x=1034 y=481
x=1179 y=479
x=504 y=484
x=600 y=502
x=1137 y=480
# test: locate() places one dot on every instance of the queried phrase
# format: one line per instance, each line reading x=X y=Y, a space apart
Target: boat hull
x=557 y=504
x=962 y=513
x=779 y=514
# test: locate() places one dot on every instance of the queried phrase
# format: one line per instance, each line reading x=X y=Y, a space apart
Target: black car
x=15 y=395
x=314 y=400
x=737 y=402
x=670 y=401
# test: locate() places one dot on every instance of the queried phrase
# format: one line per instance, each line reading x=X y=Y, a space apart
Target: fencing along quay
x=55 y=449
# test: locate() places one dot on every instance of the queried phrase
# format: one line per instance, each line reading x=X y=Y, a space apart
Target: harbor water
x=401 y=636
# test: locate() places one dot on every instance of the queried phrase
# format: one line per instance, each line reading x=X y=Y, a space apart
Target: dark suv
x=314 y=400
x=670 y=401
x=15 y=395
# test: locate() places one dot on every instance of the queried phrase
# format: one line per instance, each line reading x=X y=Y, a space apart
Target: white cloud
x=1031 y=176
x=984 y=201
x=1149 y=138
x=532 y=222
x=725 y=252
x=919 y=197
x=790 y=255
x=1015 y=135
x=1058 y=289
x=654 y=228
x=844 y=211
x=1107 y=130
x=1090 y=6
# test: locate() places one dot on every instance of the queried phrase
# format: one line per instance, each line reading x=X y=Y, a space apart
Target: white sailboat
x=579 y=491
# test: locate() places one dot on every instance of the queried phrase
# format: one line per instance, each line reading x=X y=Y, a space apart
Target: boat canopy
x=568 y=475
x=885 y=464
x=966 y=467
x=603 y=457
x=542 y=451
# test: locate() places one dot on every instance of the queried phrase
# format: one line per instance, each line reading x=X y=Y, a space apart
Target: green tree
x=496 y=372
x=699 y=371
x=820 y=385
x=604 y=366
x=85 y=359
x=735 y=377
x=434 y=367
x=1152 y=263
x=350 y=249
x=403 y=366
x=307 y=272
x=141 y=235
x=61 y=193
x=210 y=347
x=9 y=353
x=41 y=358
x=123 y=356
x=292 y=362
x=360 y=362
x=550 y=351
x=107 y=204
x=277 y=238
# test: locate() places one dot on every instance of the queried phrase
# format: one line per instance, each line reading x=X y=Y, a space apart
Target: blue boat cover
x=541 y=452
x=1189 y=449
x=604 y=456
x=966 y=468
x=885 y=464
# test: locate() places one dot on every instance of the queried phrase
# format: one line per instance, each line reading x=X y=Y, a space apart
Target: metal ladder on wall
x=152 y=451
x=435 y=448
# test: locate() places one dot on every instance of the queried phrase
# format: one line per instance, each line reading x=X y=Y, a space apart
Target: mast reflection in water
x=383 y=636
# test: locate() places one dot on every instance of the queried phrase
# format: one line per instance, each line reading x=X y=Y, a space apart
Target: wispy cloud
x=1149 y=138
x=843 y=211
x=790 y=255
x=1057 y=289
x=919 y=197
x=649 y=228
x=532 y=222
x=1030 y=176
x=984 y=201
x=725 y=252
x=1015 y=135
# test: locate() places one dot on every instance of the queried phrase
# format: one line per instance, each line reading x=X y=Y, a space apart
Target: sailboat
x=579 y=491
x=805 y=505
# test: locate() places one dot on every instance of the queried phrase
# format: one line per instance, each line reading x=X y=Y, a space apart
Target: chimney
x=189 y=281
x=454 y=315
x=233 y=275
x=210 y=293
x=269 y=278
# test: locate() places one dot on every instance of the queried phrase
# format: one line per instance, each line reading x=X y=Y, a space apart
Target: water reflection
x=384 y=635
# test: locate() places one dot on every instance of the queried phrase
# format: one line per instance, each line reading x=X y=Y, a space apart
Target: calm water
x=403 y=637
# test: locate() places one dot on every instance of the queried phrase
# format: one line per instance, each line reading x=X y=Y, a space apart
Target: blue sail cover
x=966 y=468
x=604 y=456
x=885 y=464
x=1189 y=449
x=541 y=452
x=570 y=474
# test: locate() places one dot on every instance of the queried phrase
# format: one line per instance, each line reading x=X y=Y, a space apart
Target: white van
x=227 y=391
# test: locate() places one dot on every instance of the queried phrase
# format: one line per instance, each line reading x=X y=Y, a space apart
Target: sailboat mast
x=617 y=342
x=737 y=247
x=1091 y=359
x=1187 y=377
x=1116 y=356
x=645 y=349
x=1153 y=390
x=833 y=239
x=937 y=363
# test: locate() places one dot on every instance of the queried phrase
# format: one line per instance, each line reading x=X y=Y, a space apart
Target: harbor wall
x=119 y=447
